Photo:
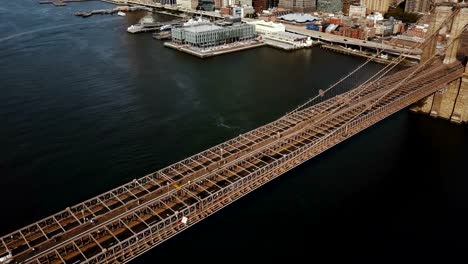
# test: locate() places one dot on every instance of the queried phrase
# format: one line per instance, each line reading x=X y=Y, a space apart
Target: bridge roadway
x=119 y=225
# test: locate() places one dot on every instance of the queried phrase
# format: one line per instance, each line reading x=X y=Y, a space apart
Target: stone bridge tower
x=451 y=101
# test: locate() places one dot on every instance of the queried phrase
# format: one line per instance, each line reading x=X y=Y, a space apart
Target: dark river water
x=84 y=107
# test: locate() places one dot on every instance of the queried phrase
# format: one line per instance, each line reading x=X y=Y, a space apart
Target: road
x=327 y=37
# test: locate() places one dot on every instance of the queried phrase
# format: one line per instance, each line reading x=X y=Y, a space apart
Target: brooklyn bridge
x=125 y=222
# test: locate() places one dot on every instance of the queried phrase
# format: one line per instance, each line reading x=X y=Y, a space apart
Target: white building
x=263 y=27
x=247 y=10
x=185 y=3
x=357 y=11
x=375 y=17
x=245 y=2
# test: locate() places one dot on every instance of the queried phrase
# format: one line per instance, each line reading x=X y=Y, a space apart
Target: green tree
x=399 y=14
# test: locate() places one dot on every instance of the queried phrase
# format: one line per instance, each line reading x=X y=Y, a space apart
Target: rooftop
x=291 y=35
x=201 y=28
x=265 y=23
x=300 y=18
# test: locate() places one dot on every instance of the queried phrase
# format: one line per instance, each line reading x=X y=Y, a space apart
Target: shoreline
x=340 y=49
x=167 y=11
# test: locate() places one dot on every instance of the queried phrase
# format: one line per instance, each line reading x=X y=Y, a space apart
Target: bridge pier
x=451 y=101
x=460 y=111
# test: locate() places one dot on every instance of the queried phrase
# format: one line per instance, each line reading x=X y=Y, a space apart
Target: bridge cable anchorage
x=376 y=77
x=341 y=80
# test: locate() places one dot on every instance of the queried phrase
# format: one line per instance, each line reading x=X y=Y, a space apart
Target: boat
x=120 y=13
x=135 y=28
x=162 y=35
x=165 y=27
x=145 y=24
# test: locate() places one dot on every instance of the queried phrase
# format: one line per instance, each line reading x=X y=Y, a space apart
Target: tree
x=399 y=14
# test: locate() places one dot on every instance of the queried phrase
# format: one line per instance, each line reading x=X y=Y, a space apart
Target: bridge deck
x=121 y=224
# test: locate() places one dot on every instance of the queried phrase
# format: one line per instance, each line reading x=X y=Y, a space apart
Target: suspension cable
x=322 y=93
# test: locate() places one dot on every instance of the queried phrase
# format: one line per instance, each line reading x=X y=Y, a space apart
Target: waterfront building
x=329 y=6
x=210 y=35
x=287 y=40
x=417 y=6
x=263 y=27
x=377 y=5
x=298 y=5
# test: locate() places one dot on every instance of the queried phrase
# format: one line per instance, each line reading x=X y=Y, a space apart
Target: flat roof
x=201 y=28
x=301 y=18
x=291 y=35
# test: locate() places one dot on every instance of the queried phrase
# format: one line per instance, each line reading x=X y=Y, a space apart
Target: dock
x=341 y=49
x=139 y=28
x=214 y=52
x=176 y=9
x=61 y=2
x=169 y=13
x=335 y=39
x=112 y=11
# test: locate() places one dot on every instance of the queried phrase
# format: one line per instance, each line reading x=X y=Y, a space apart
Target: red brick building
x=260 y=5
x=357 y=33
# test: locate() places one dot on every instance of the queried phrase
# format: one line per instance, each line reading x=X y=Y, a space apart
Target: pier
x=63 y=2
x=215 y=51
x=344 y=41
x=368 y=55
x=112 y=11
x=175 y=9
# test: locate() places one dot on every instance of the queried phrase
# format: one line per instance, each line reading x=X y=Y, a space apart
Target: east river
x=85 y=106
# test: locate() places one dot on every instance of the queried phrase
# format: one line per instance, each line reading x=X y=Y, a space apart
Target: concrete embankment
x=389 y=60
